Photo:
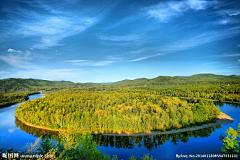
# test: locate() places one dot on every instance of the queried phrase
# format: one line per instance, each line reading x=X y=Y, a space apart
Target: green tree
x=45 y=146
x=231 y=141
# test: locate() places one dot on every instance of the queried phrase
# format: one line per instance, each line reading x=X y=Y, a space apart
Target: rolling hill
x=26 y=85
x=182 y=80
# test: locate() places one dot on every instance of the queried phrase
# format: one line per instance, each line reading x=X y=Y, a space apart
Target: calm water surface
x=10 y=135
x=14 y=134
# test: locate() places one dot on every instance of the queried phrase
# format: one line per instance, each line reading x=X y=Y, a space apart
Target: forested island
x=115 y=111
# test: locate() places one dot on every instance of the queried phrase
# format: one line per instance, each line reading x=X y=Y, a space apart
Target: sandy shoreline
x=45 y=128
x=222 y=119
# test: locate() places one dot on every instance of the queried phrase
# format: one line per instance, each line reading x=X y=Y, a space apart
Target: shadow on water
x=221 y=104
x=37 y=132
x=128 y=142
x=151 y=142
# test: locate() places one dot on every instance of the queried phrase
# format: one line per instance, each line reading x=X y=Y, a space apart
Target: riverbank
x=39 y=127
x=213 y=100
x=221 y=119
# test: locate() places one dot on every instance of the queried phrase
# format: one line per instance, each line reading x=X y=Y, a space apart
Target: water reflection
x=151 y=142
x=129 y=142
x=221 y=104
x=35 y=131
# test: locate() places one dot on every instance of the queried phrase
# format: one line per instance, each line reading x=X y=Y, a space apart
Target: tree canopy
x=117 y=111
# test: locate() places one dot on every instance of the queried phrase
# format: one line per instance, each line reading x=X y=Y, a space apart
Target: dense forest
x=116 y=111
x=214 y=92
x=230 y=93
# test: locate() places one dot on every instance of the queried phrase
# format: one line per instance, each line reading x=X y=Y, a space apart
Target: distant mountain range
x=24 y=85
x=179 y=79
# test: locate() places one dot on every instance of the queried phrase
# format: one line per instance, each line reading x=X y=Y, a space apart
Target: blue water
x=199 y=145
x=12 y=136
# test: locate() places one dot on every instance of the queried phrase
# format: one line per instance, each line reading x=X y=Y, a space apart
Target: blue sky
x=106 y=41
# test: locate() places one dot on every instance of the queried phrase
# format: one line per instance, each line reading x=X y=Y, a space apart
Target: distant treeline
x=199 y=79
x=220 y=92
x=7 y=99
x=116 y=111
x=162 y=82
x=26 y=85
x=230 y=93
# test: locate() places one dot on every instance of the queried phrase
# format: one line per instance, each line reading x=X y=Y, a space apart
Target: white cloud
x=47 y=42
x=162 y=14
x=53 y=29
x=200 y=4
x=166 y=10
x=91 y=63
x=228 y=17
x=224 y=55
x=238 y=60
x=226 y=20
x=12 y=50
x=234 y=67
x=77 y=61
x=230 y=55
x=201 y=39
x=50 y=74
x=114 y=58
x=191 y=42
x=120 y=38
x=16 y=61
x=10 y=130
x=124 y=21
x=4 y=72
x=142 y=58
x=49 y=23
x=229 y=12
x=131 y=40
x=23 y=59
x=52 y=25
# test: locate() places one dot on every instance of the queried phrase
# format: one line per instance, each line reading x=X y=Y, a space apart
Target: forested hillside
x=25 y=85
x=199 y=79
x=210 y=77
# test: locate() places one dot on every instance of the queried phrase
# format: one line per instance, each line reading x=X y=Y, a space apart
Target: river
x=14 y=134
